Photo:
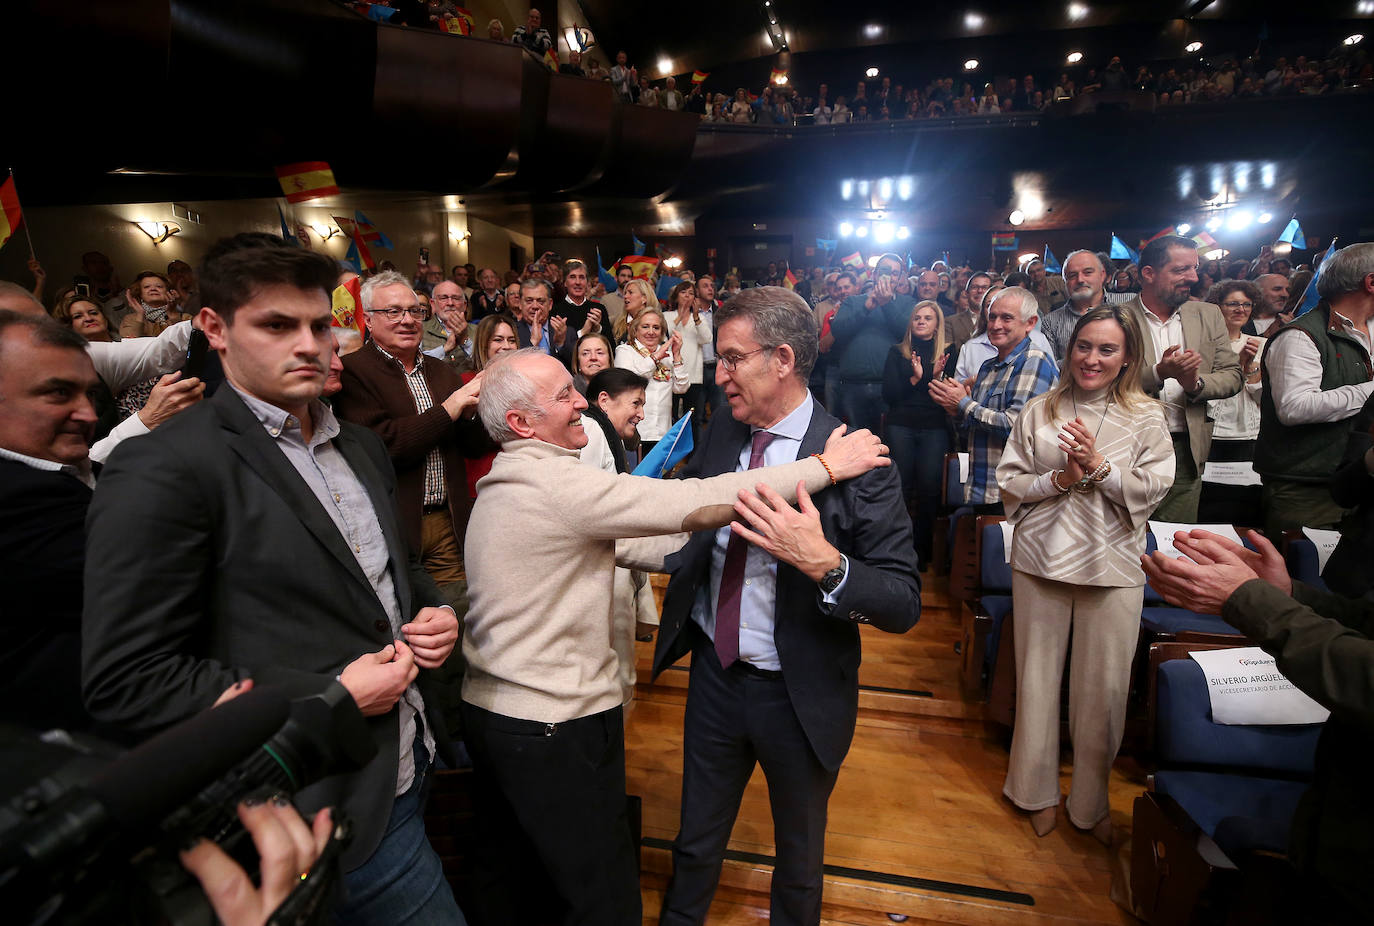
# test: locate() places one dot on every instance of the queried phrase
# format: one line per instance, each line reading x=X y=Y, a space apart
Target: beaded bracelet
x=828 y=471
x=1100 y=473
x=1054 y=481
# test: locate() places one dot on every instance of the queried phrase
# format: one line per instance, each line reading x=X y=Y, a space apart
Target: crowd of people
x=211 y=480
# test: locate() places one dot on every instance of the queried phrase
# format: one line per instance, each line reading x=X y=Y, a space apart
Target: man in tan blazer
x=1187 y=360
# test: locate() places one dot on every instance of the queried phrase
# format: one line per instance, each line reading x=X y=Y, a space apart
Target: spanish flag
x=551 y=60
x=1171 y=230
x=699 y=77
x=306 y=180
x=854 y=261
x=459 y=23
x=779 y=76
x=359 y=254
x=348 y=305
x=789 y=280
x=642 y=266
x=10 y=213
x=465 y=18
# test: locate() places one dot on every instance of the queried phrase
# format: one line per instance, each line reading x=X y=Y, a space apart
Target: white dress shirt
x=1163 y=335
x=1295 y=380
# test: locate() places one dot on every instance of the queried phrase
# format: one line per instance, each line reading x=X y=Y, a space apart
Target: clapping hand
x=1182 y=365
x=882 y=292
x=917 y=371
x=1079 y=444
x=675 y=345
x=948 y=394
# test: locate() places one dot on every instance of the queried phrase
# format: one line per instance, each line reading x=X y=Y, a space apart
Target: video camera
x=88 y=834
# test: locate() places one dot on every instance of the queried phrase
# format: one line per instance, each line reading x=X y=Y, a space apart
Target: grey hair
x=1096 y=256
x=1029 y=306
x=14 y=294
x=534 y=283
x=1345 y=271
x=385 y=278
x=506 y=388
x=780 y=317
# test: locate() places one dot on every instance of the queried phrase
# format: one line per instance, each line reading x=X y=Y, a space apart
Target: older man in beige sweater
x=541 y=699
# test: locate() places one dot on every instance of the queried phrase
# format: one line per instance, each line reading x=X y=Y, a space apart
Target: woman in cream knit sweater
x=1085 y=465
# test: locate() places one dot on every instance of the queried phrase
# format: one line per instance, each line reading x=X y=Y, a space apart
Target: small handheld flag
x=789 y=279
x=1171 y=230
x=359 y=255
x=1122 y=251
x=1293 y=235
x=10 y=214
x=1003 y=241
x=551 y=59
x=699 y=77
x=1310 y=297
x=642 y=267
x=1052 y=264
x=306 y=180
x=671 y=450
x=826 y=244
x=347 y=305
x=638 y=245
x=854 y=261
x=285 y=231
x=665 y=286
x=604 y=276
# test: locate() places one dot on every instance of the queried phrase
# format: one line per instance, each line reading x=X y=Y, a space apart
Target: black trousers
x=560 y=790
x=734 y=720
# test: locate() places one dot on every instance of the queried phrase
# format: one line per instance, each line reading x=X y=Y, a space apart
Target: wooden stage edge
x=917 y=825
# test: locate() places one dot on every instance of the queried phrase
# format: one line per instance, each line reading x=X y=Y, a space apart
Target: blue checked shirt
x=1002 y=389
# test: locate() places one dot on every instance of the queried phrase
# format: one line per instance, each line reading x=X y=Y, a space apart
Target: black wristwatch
x=832 y=579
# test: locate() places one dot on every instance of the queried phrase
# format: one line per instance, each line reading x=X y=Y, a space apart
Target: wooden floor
x=917 y=819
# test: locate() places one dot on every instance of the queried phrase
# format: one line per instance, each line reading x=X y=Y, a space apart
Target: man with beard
x=1274 y=288
x=1086 y=277
x=1187 y=359
x=963 y=325
x=582 y=314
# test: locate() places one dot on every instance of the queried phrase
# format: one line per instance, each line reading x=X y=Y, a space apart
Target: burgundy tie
x=732 y=575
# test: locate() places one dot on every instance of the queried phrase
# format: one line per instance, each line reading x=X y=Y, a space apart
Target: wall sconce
x=458 y=236
x=324 y=231
x=673 y=263
x=158 y=231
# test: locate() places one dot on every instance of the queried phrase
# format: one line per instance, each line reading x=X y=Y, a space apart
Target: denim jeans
x=862 y=405
x=919 y=455
x=403 y=880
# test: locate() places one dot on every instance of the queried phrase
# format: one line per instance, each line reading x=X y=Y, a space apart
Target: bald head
x=18 y=299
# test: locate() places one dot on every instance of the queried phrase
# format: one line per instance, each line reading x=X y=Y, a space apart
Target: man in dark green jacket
x=1323 y=644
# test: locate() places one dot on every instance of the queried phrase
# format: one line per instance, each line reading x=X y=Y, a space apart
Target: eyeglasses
x=1238 y=305
x=394 y=313
x=450 y=297
x=730 y=363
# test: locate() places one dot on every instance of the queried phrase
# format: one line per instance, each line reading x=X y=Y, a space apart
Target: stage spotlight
x=1183 y=228
x=906 y=186
x=1016 y=217
x=846 y=229
x=846 y=189
x=1213 y=223
x=883 y=232
x=1078 y=11
x=1240 y=220
x=973 y=20
x=861 y=231
x=871 y=73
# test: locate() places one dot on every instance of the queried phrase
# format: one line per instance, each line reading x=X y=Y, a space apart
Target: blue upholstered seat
x=1167 y=620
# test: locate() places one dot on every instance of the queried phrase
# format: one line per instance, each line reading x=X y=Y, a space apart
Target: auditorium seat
x=1303 y=563
x=1159 y=622
x=1220 y=803
x=951 y=509
x=984 y=614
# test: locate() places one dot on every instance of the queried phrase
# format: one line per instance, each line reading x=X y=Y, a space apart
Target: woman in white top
x=740 y=110
x=1085 y=465
x=686 y=322
x=649 y=355
x=988 y=103
x=1236 y=420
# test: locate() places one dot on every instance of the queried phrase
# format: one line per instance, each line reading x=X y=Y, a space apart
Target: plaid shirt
x=435 y=491
x=1003 y=387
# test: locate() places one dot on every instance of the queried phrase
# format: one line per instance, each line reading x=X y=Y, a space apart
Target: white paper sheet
x=1164 y=534
x=1006 y=540
x=1325 y=542
x=963 y=469
x=1231 y=474
x=1246 y=688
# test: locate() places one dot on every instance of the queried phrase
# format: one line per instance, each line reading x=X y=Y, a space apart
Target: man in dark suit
x=773 y=627
x=538 y=328
x=256 y=537
x=47 y=423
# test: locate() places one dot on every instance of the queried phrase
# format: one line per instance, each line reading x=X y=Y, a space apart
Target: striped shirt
x=435 y=491
x=1002 y=389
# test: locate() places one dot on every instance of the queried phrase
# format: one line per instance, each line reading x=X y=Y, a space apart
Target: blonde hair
x=663 y=333
x=939 y=338
x=621 y=329
x=1125 y=390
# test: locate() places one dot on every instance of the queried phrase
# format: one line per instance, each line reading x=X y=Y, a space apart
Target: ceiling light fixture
x=1074 y=57
x=974 y=20
x=1365 y=6
x=1183 y=228
x=873 y=31
x=1240 y=220
x=1192 y=47
x=846 y=229
x=1353 y=39
x=1078 y=11
x=1016 y=217
x=871 y=73
x=665 y=66
x=324 y=230
x=861 y=231
x=884 y=232
x=971 y=64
